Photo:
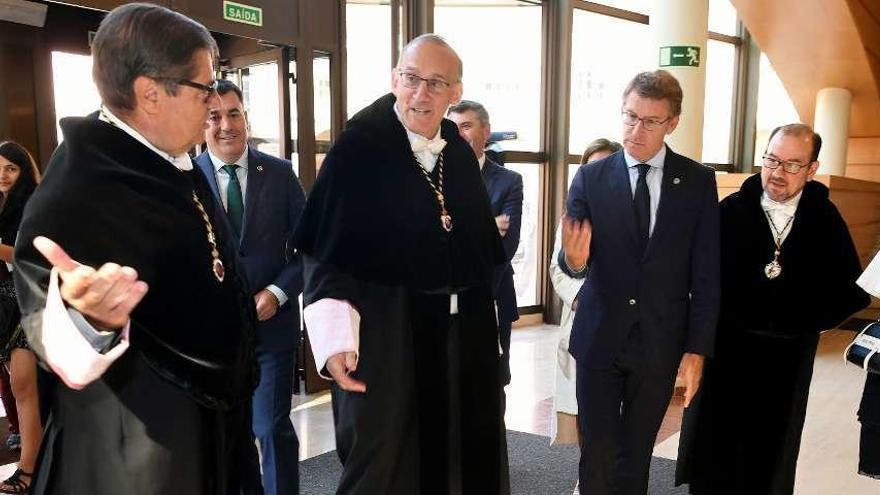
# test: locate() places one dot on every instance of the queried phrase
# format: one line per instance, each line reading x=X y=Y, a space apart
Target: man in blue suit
x=642 y=227
x=263 y=200
x=505 y=188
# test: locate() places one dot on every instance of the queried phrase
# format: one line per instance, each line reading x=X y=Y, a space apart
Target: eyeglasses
x=412 y=81
x=208 y=89
x=791 y=167
x=649 y=124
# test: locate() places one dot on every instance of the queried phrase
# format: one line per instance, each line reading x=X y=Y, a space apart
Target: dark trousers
x=504 y=329
x=869 y=415
x=279 y=446
x=620 y=410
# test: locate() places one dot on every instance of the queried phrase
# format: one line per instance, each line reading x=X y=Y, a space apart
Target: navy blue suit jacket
x=274 y=200
x=672 y=289
x=505 y=188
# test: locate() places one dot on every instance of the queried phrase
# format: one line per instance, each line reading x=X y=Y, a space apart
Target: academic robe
x=172 y=414
x=742 y=432
x=869 y=416
x=371 y=235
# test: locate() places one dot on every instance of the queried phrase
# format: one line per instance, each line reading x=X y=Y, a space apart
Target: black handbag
x=864 y=350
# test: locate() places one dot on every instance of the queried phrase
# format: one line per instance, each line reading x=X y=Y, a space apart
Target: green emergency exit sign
x=679 y=56
x=244 y=14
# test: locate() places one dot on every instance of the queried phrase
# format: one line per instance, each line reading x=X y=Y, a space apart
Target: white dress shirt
x=223 y=187
x=223 y=178
x=654 y=180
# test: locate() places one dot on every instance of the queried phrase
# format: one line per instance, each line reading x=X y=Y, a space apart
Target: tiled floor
x=529 y=396
x=829 y=450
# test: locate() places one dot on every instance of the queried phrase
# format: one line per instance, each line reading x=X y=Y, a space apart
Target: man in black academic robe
x=742 y=434
x=399 y=249
x=153 y=349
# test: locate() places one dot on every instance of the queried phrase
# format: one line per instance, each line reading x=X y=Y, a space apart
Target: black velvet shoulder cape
x=108 y=198
x=373 y=215
x=816 y=290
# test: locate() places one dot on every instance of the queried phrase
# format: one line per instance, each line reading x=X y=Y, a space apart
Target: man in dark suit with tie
x=642 y=227
x=263 y=200
x=505 y=188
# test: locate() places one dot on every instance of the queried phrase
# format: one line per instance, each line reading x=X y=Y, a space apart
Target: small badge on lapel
x=676 y=181
x=260 y=169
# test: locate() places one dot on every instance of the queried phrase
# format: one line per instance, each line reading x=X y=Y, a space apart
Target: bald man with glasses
x=788 y=271
x=400 y=247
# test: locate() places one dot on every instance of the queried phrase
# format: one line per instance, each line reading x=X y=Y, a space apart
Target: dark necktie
x=234 y=204
x=642 y=205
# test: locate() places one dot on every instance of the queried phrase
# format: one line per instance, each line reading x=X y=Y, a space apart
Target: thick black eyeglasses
x=208 y=89
x=791 y=167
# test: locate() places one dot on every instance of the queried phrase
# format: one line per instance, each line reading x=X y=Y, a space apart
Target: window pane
x=525 y=261
x=717 y=114
x=323 y=110
x=75 y=93
x=599 y=75
x=640 y=6
x=368 y=46
x=259 y=86
x=774 y=107
x=722 y=17
x=294 y=116
x=501 y=71
x=572 y=171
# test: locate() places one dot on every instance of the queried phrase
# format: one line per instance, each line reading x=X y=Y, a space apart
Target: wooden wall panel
x=320 y=23
x=18 y=113
x=863 y=158
x=108 y=5
x=814 y=44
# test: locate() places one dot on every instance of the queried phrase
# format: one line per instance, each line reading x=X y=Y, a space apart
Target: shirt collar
x=183 y=161
x=409 y=134
x=789 y=206
x=218 y=163
x=482 y=160
x=655 y=161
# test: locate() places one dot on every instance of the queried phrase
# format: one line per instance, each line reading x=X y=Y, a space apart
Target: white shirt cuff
x=334 y=327
x=870 y=278
x=279 y=294
x=66 y=350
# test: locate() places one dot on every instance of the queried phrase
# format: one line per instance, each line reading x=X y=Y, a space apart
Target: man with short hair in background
x=262 y=200
x=505 y=188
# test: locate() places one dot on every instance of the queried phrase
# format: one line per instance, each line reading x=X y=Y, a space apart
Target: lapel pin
x=260 y=169
x=676 y=181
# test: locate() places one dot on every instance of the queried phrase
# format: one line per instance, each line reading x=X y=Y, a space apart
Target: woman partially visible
x=563 y=424
x=18 y=179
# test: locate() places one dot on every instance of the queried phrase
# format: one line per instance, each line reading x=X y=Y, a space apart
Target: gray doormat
x=536 y=468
